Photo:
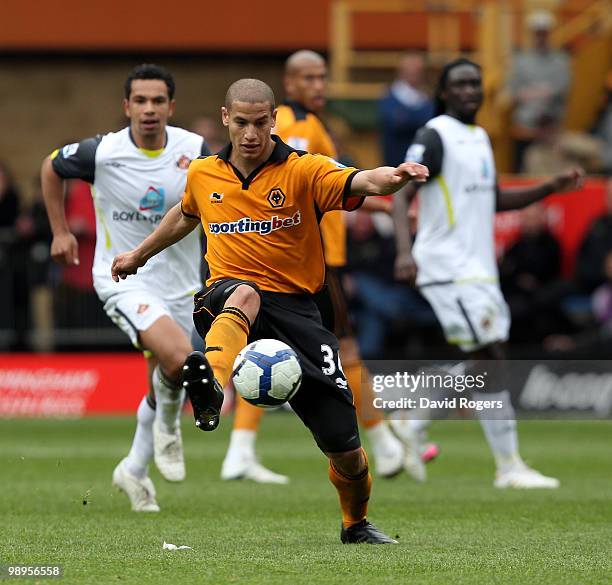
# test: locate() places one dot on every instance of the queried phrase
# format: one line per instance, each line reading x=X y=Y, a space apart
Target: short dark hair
x=439 y=102
x=252 y=91
x=149 y=71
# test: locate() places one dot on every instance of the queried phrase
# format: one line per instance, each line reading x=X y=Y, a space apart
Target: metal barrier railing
x=41 y=312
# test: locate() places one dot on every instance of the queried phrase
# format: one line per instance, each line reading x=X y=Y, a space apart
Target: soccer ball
x=267 y=373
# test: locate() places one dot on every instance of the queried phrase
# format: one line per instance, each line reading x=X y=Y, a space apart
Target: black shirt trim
x=299 y=111
x=205 y=150
x=188 y=214
x=280 y=153
x=318 y=213
x=347 y=193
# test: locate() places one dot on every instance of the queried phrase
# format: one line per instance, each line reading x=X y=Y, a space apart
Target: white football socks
x=418 y=424
x=242 y=443
x=383 y=441
x=169 y=399
x=141 y=452
x=500 y=432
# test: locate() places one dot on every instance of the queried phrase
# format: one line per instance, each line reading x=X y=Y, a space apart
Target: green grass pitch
x=57 y=507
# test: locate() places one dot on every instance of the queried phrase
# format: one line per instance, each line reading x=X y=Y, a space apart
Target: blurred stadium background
x=62 y=68
x=61 y=76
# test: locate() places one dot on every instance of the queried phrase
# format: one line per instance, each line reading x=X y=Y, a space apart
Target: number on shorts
x=328 y=358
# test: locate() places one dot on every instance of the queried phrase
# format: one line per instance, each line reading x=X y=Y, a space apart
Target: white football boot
x=522 y=477
x=168 y=453
x=241 y=466
x=140 y=492
x=413 y=447
x=387 y=450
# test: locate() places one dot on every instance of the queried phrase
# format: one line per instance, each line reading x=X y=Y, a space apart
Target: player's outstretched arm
x=519 y=197
x=387 y=180
x=172 y=228
x=405 y=268
x=64 y=247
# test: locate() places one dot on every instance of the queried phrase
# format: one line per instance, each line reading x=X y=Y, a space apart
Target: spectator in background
x=31 y=270
x=593 y=340
x=378 y=300
x=602 y=301
x=209 y=129
x=539 y=84
x=9 y=209
x=530 y=274
x=595 y=253
x=9 y=198
x=553 y=150
x=603 y=128
x=404 y=109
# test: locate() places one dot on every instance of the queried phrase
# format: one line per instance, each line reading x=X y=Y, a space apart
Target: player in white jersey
x=137 y=175
x=453 y=259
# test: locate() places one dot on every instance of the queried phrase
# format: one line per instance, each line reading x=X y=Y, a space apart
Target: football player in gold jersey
x=260 y=202
x=299 y=124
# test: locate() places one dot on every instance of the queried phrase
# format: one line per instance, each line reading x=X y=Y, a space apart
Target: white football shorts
x=472 y=314
x=136 y=310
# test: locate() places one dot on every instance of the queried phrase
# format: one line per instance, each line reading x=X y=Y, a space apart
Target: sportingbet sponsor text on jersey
x=247 y=225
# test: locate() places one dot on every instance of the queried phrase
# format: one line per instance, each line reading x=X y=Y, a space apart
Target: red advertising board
x=568 y=215
x=71 y=385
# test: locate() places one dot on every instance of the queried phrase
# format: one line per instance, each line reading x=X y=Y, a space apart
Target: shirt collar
x=299 y=110
x=159 y=151
x=280 y=153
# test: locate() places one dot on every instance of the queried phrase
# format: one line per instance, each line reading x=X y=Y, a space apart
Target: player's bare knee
x=350 y=463
x=172 y=365
x=247 y=299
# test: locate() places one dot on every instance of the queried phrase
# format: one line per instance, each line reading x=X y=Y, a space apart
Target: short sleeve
x=427 y=150
x=330 y=183
x=189 y=205
x=77 y=160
